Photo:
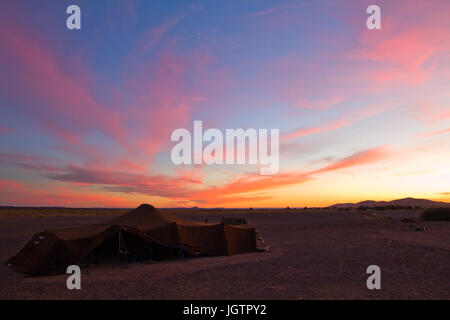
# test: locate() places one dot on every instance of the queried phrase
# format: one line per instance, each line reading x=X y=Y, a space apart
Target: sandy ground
x=315 y=255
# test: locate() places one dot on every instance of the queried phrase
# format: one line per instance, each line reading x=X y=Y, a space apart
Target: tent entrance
x=125 y=246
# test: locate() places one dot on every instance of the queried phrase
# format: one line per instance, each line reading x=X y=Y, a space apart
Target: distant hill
x=406 y=202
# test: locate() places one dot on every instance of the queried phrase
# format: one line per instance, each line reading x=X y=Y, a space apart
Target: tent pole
x=120 y=241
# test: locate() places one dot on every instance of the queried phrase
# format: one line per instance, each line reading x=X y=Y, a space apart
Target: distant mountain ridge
x=405 y=202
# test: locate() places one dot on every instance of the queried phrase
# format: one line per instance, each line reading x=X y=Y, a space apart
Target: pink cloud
x=434 y=133
x=4 y=130
x=432 y=113
x=314 y=130
x=410 y=48
x=125 y=182
x=343 y=120
x=8 y=184
x=20 y=194
x=320 y=105
x=165 y=93
x=154 y=35
x=26 y=162
x=405 y=52
x=109 y=178
x=58 y=94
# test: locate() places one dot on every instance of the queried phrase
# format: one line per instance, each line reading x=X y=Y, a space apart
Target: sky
x=86 y=115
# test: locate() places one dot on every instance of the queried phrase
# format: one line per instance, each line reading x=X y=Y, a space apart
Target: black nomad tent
x=143 y=231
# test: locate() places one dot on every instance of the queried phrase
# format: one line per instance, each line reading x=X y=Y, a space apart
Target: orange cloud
x=359 y=158
x=245 y=186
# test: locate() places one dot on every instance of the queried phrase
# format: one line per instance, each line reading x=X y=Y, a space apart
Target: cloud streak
x=249 y=184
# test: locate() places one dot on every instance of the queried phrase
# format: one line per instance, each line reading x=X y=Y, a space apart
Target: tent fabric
x=240 y=239
x=51 y=252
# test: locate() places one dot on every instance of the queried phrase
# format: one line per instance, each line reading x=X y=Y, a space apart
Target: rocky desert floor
x=316 y=254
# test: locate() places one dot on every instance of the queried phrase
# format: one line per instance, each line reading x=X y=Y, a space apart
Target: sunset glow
x=86 y=115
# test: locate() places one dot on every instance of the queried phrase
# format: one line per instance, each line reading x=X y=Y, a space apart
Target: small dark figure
x=206 y=220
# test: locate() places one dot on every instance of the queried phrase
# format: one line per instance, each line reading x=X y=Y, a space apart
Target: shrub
x=436 y=214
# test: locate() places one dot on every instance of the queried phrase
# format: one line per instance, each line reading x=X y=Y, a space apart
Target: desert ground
x=315 y=254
